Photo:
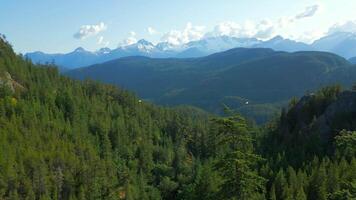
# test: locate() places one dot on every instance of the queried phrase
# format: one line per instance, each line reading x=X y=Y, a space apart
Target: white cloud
x=261 y=30
x=130 y=40
x=133 y=33
x=346 y=26
x=224 y=28
x=308 y=12
x=309 y=36
x=285 y=22
x=264 y=29
x=102 y=42
x=189 y=33
x=100 y=39
x=86 y=31
x=151 y=31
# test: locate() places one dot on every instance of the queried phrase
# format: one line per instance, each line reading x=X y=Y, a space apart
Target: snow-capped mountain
x=343 y=44
x=141 y=46
x=105 y=50
x=214 y=44
x=279 y=43
x=211 y=45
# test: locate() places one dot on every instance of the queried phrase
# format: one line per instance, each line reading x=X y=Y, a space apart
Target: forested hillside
x=254 y=82
x=63 y=139
x=67 y=139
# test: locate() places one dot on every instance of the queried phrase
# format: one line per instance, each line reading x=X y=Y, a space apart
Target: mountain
x=79 y=57
x=199 y=48
x=203 y=47
x=212 y=45
x=341 y=43
x=216 y=44
x=280 y=44
x=352 y=60
x=67 y=139
x=243 y=78
x=320 y=119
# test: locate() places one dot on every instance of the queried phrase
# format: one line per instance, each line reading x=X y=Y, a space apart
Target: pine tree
x=300 y=195
x=236 y=166
x=272 y=193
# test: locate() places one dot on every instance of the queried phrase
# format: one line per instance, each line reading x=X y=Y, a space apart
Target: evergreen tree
x=236 y=166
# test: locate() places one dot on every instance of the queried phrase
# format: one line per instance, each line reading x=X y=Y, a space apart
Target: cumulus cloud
x=102 y=42
x=285 y=21
x=100 y=39
x=308 y=12
x=189 y=33
x=151 y=31
x=264 y=29
x=346 y=26
x=86 y=31
x=309 y=36
x=129 y=40
x=261 y=30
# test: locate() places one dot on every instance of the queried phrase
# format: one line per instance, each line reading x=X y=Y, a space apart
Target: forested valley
x=67 y=139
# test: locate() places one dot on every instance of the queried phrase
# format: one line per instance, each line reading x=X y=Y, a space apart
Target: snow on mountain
x=215 y=44
x=340 y=43
x=279 y=43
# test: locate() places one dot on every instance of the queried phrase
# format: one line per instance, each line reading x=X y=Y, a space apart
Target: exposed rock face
x=326 y=118
x=7 y=81
x=345 y=105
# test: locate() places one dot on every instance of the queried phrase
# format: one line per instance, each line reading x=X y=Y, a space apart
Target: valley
x=68 y=139
x=255 y=82
x=177 y=100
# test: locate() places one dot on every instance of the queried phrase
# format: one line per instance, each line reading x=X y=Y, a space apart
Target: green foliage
x=240 y=180
x=66 y=139
x=346 y=143
x=253 y=81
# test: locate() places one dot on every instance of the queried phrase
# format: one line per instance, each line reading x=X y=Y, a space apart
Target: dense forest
x=67 y=139
x=248 y=80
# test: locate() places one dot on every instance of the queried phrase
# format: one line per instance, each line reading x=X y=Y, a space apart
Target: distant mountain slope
x=253 y=76
x=280 y=44
x=341 y=43
x=143 y=74
x=352 y=60
x=199 y=48
x=81 y=57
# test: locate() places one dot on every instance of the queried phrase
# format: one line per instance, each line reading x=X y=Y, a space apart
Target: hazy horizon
x=59 y=27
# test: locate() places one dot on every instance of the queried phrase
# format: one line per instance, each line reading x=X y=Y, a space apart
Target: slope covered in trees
x=310 y=149
x=255 y=82
x=66 y=139
x=63 y=139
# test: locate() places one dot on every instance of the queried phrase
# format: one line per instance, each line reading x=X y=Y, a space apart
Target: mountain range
x=253 y=81
x=67 y=139
x=353 y=60
x=341 y=43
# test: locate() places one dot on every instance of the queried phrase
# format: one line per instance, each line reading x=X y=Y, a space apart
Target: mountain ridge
x=338 y=43
x=209 y=82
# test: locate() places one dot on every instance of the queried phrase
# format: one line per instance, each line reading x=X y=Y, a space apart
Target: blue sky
x=61 y=26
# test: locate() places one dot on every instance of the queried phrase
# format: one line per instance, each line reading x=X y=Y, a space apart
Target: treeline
x=66 y=139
